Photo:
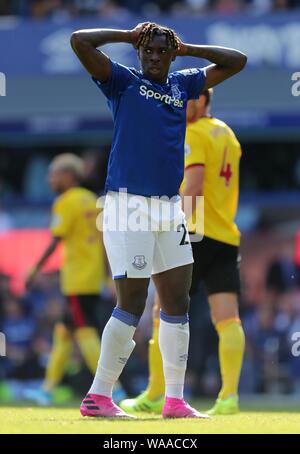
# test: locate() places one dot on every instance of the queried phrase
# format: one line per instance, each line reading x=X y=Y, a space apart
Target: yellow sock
x=156 y=386
x=60 y=354
x=89 y=344
x=231 y=351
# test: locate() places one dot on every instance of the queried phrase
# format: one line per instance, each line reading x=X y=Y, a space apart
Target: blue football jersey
x=147 y=154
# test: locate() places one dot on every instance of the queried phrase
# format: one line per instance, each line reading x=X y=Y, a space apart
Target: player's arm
x=226 y=62
x=35 y=270
x=85 y=44
x=194 y=179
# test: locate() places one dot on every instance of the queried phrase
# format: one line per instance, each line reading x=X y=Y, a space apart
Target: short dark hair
x=153 y=29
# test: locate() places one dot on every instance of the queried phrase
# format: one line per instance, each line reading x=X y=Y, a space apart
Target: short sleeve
x=193 y=80
x=120 y=78
x=195 y=148
x=61 y=219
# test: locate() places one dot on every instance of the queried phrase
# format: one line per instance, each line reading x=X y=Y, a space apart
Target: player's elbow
x=237 y=62
x=76 y=40
x=241 y=61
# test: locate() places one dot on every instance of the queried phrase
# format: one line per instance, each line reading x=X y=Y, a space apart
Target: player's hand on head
x=182 y=47
x=137 y=31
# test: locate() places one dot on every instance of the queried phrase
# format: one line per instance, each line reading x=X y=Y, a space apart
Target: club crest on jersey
x=139 y=262
x=176 y=93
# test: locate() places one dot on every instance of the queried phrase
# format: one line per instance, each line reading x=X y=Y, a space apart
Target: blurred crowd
x=40 y=9
x=270 y=300
x=28 y=320
x=270 y=312
x=23 y=184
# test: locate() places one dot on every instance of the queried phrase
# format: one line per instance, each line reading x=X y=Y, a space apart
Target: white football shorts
x=143 y=235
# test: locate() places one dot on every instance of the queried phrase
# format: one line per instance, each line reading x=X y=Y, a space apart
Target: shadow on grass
x=259 y=406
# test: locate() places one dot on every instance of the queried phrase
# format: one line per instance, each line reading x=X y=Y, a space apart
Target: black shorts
x=82 y=311
x=217 y=264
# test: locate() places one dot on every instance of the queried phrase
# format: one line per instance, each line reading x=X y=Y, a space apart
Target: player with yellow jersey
x=212 y=170
x=212 y=156
x=82 y=275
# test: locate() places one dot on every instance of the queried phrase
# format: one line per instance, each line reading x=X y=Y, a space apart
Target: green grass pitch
x=259 y=417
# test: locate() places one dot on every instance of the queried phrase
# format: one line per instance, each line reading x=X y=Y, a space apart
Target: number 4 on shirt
x=226 y=171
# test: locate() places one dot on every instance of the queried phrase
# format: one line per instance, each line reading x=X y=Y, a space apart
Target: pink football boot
x=101 y=406
x=178 y=408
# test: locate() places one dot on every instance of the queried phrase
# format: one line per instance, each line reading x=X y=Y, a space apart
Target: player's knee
x=139 y=297
x=176 y=304
x=61 y=332
x=132 y=296
x=182 y=304
x=135 y=301
x=136 y=308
